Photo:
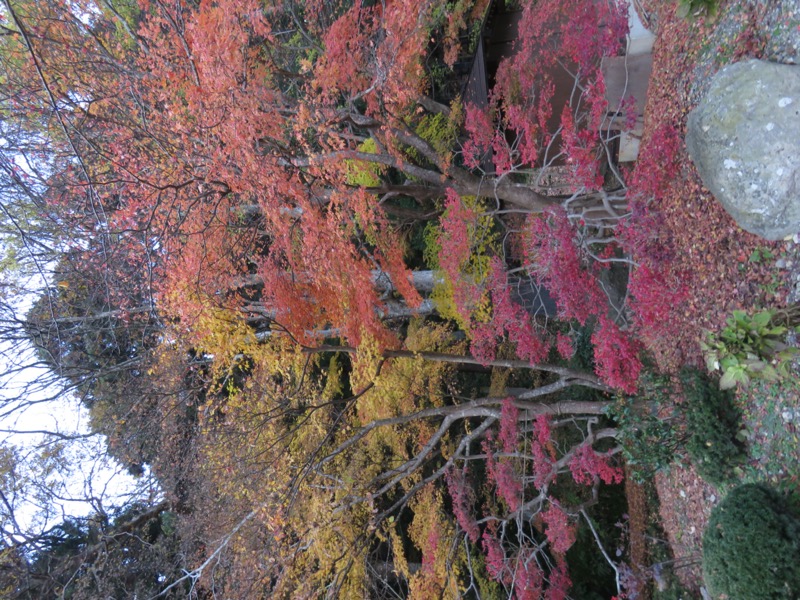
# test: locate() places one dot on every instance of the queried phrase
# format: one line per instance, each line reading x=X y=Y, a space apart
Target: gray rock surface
x=744 y=138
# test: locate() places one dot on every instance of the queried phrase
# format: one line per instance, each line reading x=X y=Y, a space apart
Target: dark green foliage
x=583 y=359
x=712 y=424
x=649 y=443
x=592 y=577
x=650 y=440
x=751 y=548
x=130 y=555
x=486 y=587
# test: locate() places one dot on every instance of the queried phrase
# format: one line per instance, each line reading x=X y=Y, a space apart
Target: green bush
x=650 y=442
x=751 y=548
x=712 y=426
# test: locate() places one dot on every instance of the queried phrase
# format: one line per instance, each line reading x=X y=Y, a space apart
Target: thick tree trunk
x=462 y=181
x=520 y=196
x=423 y=281
x=524 y=291
x=569 y=376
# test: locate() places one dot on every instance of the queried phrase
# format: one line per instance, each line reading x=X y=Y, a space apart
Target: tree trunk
x=534 y=298
x=569 y=375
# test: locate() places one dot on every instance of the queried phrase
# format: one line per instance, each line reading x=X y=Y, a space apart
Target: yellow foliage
x=403 y=386
x=279 y=420
x=362 y=173
x=398 y=553
x=432 y=533
x=366 y=362
x=484 y=245
x=333 y=380
x=498 y=382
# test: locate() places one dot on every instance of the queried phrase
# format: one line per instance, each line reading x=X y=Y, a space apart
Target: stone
x=744 y=139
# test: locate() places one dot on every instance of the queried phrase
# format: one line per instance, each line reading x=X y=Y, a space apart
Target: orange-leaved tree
x=268 y=162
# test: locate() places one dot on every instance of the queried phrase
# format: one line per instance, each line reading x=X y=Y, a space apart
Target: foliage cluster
x=751 y=547
x=713 y=425
x=460 y=248
x=571 y=276
x=525 y=83
x=650 y=440
x=751 y=346
x=693 y=9
x=706 y=426
x=657 y=288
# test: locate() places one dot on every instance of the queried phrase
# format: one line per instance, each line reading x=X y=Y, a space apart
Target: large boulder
x=744 y=138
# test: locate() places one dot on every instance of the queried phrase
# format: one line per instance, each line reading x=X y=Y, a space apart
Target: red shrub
x=508 y=318
x=463 y=497
x=562 y=268
x=564 y=346
x=657 y=163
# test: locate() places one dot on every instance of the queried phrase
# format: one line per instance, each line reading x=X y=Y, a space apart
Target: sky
x=69 y=472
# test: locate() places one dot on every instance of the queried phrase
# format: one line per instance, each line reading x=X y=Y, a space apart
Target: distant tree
x=127 y=556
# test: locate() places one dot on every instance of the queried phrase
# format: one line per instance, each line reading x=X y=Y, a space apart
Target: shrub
x=751 y=548
x=712 y=423
x=650 y=442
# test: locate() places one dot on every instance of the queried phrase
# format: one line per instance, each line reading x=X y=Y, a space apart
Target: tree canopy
x=364 y=331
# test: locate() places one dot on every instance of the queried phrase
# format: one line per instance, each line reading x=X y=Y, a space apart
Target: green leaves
x=749 y=347
x=691 y=9
x=761 y=254
x=362 y=173
x=750 y=547
x=713 y=427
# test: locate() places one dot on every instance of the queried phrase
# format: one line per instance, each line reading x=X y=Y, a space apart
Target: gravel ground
x=771 y=29
x=779 y=23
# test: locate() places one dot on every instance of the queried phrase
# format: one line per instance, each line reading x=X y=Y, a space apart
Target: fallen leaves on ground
x=725 y=265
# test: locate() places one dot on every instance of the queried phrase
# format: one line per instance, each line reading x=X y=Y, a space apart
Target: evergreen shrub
x=751 y=547
x=712 y=425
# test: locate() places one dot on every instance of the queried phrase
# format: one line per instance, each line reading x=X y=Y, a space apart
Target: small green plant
x=713 y=428
x=751 y=547
x=691 y=9
x=761 y=254
x=751 y=347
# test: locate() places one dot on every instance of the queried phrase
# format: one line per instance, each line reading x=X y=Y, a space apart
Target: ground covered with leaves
x=724 y=268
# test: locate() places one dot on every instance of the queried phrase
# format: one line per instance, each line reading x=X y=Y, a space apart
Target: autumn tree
x=325 y=153
x=237 y=176
x=374 y=473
